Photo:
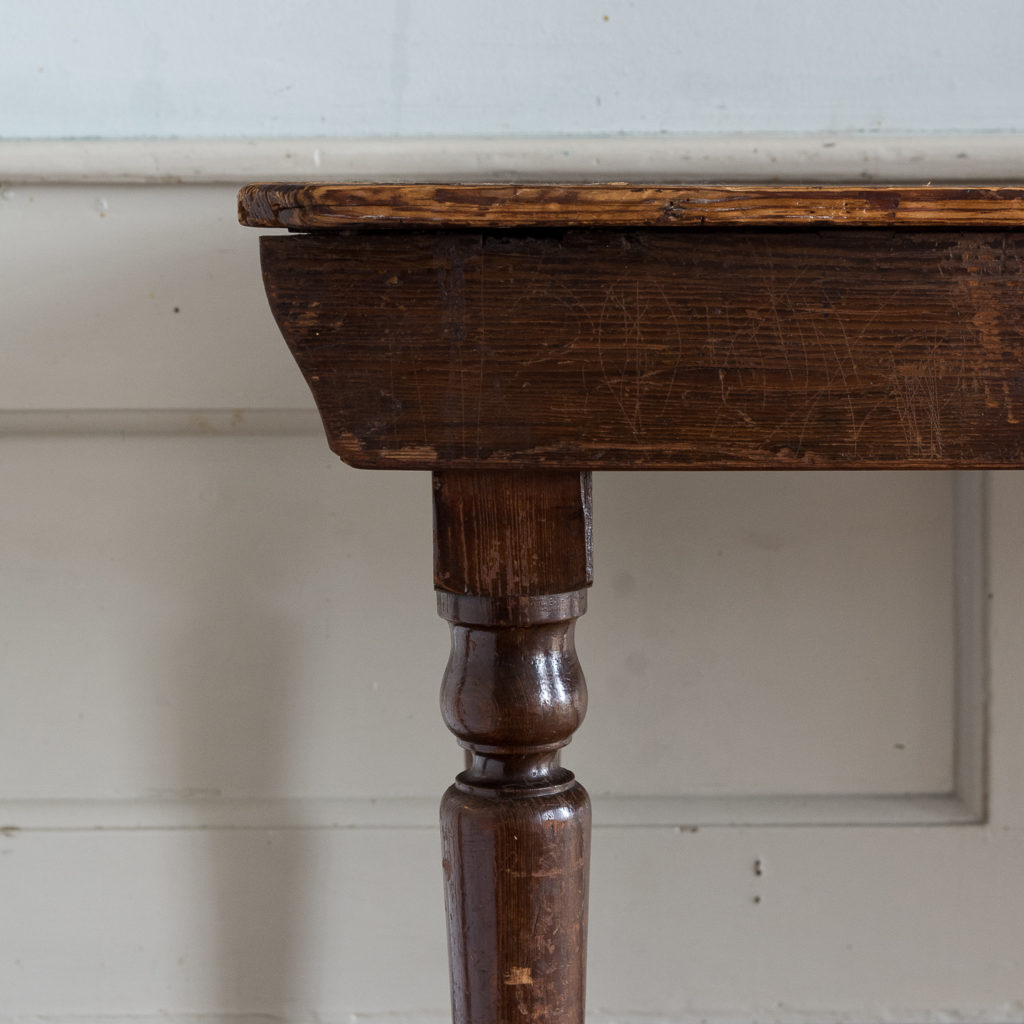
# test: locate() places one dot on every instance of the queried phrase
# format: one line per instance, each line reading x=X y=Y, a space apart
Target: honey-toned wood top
x=323 y=206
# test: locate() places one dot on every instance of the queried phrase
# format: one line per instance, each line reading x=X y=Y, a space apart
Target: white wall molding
x=782 y=1016
x=971 y=597
x=764 y=157
x=679 y=813
x=189 y=809
x=159 y=422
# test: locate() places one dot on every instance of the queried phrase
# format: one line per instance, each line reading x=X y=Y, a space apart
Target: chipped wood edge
x=327 y=205
x=745 y=157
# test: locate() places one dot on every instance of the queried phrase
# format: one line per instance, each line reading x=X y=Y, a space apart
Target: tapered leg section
x=512 y=561
x=516 y=896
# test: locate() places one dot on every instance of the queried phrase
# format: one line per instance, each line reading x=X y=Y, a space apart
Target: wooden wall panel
x=199 y=600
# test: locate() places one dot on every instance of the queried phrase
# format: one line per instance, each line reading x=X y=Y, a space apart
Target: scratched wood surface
x=325 y=206
x=590 y=349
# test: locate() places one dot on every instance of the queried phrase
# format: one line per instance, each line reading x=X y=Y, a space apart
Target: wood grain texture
x=507 y=532
x=516 y=887
x=326 y=206
x=512 y=556
x=655 y=349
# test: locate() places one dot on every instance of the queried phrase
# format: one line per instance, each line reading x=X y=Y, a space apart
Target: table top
x=318 y=206
x=653 y=327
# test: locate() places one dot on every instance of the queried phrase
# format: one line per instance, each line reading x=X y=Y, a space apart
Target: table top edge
x=310 y=206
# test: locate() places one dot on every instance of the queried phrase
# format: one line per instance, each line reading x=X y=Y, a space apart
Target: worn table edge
x=313 y=206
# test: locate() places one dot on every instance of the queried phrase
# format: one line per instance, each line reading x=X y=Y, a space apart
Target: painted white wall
x=219 y=768
x=367 y=68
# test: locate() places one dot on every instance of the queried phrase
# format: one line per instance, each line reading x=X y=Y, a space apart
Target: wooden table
x=514 y=338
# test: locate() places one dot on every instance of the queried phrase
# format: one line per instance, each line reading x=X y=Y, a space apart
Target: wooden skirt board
x=514 y=338
x=660 y=349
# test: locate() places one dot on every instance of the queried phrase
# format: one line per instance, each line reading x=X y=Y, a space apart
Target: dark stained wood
x=327 y=206
x=512 y=556
x=537 y=536
x=655 y=349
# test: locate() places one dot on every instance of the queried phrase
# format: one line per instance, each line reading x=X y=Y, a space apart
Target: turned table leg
x=512 y=563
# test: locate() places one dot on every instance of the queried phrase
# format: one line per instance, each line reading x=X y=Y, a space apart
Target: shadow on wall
x=280 y=680
x=234 y=654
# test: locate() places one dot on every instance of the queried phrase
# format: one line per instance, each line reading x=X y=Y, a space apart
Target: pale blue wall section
x=357 y=68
